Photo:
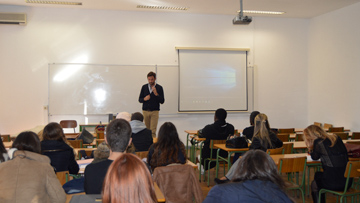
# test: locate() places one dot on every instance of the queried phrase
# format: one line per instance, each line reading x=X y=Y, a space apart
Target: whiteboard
x=212 y=79
x=86 y=89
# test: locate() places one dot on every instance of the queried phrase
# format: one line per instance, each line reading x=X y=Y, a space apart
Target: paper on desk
x=308 y=157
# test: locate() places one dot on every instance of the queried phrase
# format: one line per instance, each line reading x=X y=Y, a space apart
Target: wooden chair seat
x=63 y=176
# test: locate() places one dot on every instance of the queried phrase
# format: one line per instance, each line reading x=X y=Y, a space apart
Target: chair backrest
x=327 y=126
x=342 y=135
x=76 y=143
x=290 y=165
x=100 y=135
x=99 y=141
x=318 y=124
x=68 y=124
x=275 y=151
x=155 y=139
x=351 y=169
x=286 y=130
x=299 y=137
x=63 y=176
x=288 y=148
x=285 y=137
x=142 y=154
x=336 y=129
x=355 y=135
x=5 y=138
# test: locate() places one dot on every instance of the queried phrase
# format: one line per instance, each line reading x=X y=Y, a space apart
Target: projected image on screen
x=212 y=79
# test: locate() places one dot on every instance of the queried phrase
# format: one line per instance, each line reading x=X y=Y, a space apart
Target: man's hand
x=154 y=90
x=147 y=97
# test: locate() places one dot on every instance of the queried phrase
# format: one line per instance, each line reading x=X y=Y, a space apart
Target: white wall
x=334 y=68
x=278 y=51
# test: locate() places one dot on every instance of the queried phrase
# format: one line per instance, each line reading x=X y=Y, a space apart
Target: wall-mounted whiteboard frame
x=210 y=78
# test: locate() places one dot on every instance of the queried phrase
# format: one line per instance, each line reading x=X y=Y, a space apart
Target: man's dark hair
x=220 y=114
x=137 y=116
x=28 y=141
x=118 y=134
x=151 y=74
x=252 y=117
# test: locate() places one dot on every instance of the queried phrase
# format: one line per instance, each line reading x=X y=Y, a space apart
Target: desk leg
x=187 y=144
x=217 y=163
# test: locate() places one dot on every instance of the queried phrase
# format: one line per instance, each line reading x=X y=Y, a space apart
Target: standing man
x=151 y=95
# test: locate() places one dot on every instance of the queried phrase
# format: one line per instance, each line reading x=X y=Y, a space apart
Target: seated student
x=256 y=179
x=128 y=180
x=118 y=134
x=29 y=177
x=168 y=150
x=249 y=131
x=263 y=139
x=219 y=130
x=141 y=136
x=332 y=152
x=54 y=146
x=102 y=153
x=3 y=153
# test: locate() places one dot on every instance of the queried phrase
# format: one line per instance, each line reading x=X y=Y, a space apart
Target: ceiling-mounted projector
x=241 y=19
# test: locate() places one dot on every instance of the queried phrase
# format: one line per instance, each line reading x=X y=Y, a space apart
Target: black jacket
x=142 y=140
x=61 y=156
x=153 y=104
x=275 y=141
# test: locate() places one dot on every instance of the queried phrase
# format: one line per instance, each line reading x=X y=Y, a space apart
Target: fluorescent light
x=263 y=12
x=163 y=7
x=53 y=2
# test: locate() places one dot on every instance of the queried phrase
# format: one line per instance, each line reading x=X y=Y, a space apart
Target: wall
x=334 y=68
x=278 y=54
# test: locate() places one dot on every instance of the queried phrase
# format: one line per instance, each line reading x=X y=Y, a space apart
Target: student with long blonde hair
x=333 y=154
x=128 y=180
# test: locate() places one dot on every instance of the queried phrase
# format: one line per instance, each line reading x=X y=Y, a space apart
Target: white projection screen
x=212 y=79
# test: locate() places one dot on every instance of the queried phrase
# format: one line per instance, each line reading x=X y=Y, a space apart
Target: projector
x=242 y=20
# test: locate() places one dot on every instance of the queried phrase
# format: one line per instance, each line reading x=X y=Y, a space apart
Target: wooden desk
x=8 y=144
x=159 y=195
x=230 y=151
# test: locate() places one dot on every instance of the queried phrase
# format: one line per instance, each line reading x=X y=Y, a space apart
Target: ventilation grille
x=13 y=18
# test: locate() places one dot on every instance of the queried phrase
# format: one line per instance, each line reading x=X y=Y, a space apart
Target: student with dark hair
x=330 y=149
x=54 y=146
x=29 y=177
x=219 y=130
x=3 y=153
x=256 y=179
x=168 y=150
x=249 y=131
x=128 y=180
x=118 y=134
x=141 y=136
x=151 y=96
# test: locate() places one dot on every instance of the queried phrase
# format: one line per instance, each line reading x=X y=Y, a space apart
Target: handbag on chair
x=236 y=142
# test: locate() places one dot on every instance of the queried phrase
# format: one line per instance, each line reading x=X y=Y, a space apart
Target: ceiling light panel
x=163 y=7
x=263 y=12
x=53 y=2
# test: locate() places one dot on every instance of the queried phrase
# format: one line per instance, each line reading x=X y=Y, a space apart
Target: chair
x=294 y=165
x=318 y=124
x=76 y=143
x=299 y=137
x=327 y=126
x=5 y=138
x=275 y=151
x=286 y=130
x=142 y=154
x=351 y=171
x=288 y=148
x=285 y=137
x=178 y=183
x=342 y=135
x=99 y=141
x=212 y=158
x=100 y=135
x=355 y=135
x=63 y=176
x=336 y=129
x=68 y=124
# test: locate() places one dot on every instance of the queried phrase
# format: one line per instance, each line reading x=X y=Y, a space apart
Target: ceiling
x=293 y=8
